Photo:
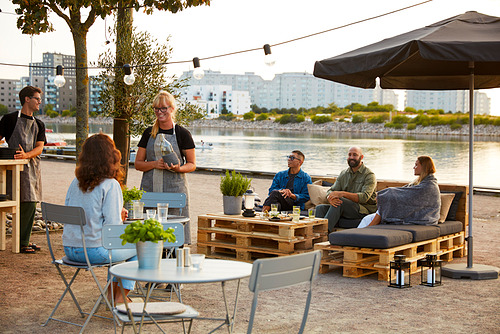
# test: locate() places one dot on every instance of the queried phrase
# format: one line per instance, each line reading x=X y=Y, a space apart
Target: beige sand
x=30 y=285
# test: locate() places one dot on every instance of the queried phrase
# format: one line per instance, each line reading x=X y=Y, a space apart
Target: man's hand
x=334 y=198
x=287 y=193
x=21 y=154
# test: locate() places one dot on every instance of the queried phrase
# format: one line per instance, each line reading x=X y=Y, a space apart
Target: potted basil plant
x=232 y=186
x=148 y=237
x=130 y=195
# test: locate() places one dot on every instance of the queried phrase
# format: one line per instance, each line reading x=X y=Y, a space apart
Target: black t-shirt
x=291 y=178
x=183 y=136
x=8 y=124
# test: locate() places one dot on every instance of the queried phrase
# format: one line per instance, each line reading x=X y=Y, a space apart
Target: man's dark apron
x=25 y=134
x=159 y=180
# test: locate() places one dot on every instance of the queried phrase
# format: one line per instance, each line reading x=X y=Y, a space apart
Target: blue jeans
x=100 y=255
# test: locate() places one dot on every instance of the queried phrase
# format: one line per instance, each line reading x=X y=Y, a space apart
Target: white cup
x=151 y=213
x=162 y=209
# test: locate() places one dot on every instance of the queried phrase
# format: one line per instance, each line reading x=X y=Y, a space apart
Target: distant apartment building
x=214 y=99
x=9 y=93
x=49 y=62
x=294 y=90
x=448 y=100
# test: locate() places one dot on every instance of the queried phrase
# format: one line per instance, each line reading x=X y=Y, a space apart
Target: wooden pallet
x=246 y=239
x=358 y=262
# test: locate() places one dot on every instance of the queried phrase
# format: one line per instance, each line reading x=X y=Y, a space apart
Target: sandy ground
x=30 y=284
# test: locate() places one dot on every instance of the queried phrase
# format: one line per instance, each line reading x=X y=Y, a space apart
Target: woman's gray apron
x=25 y=134
x=160 y=180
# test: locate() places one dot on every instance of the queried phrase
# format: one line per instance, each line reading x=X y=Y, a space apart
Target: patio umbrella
x=461 y=52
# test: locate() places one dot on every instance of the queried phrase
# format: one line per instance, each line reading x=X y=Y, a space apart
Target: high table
x=212 y=271
x=12 y=205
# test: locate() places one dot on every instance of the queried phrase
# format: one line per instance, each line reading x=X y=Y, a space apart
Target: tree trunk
x=121 y=134
x=82 y=87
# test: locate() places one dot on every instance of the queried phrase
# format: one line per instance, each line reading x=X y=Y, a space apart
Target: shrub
x=411 y=126
x=52 y=113
x=358 y=119
x=455 y=126
x=227 y=117
x=262 y=117
x=321 y=119
x=400 y=119
x=376 y=119
x=249 y=116
x=234 y=184
x=287 y=118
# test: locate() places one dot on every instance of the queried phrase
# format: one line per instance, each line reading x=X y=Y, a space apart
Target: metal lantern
x=430 y=270
x=402 y=273
x=249 y=203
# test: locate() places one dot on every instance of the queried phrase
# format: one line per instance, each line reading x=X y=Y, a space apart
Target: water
x=389 y=157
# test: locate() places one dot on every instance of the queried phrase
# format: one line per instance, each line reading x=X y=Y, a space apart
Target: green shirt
x=363 y=183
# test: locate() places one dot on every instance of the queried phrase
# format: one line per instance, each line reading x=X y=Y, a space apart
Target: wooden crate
x=358 y=262
x=250 y=238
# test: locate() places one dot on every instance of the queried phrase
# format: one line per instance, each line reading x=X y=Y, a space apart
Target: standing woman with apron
x=26 y=134
x=161 y=176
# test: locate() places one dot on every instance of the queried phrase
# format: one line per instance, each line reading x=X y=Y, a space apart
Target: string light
x=268 y=57
x=198 y=72
x=129 y=77
x=59 y=80
x=196 y=61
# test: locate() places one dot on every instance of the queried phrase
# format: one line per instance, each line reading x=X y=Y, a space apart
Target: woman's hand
x=124 y=214
x=173 y=168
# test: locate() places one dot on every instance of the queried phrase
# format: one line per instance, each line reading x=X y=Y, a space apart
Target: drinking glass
x=162 y=209
x=312 y=213
x=197 y=260
x=274 y=207
x=138 y=208
x=296 y=214
x=151 y=213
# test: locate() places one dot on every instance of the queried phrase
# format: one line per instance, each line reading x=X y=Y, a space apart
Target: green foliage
x=357 y=118
x=130 y=195
x=287 y=118
x=393 y=125
x=411 y=126
x=455 y=126
x=321 y=119
x=227 y=117
x=372 y=106
x=410 y=110
x=234 y=184
x=52 y=113
x=150 y=230
x=376 y=119
x=496 y=122
x=48 y=107
x=3 y=109
x=187 y=113
x=262 y=117
x=249 y=116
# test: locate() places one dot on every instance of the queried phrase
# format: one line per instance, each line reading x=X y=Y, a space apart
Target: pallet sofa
x=370 y=250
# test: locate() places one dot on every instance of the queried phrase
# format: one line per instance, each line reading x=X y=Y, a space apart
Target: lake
x=388 y=157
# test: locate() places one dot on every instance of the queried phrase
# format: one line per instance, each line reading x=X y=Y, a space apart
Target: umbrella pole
x=471 y=159
x=460 y=270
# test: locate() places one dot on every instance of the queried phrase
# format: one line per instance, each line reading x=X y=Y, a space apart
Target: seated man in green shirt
x=352 y=196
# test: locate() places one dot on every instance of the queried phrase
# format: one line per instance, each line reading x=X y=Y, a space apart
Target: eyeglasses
x=291 y=157
x=162 y=110
x=36 y=98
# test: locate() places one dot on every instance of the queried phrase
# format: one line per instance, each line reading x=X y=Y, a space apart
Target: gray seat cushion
x=370 y=238
x=419 y=232
x=450 y=227
x=348 y=223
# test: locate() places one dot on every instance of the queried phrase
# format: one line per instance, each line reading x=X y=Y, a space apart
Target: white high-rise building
x=448 y=100
x=294 y=90
x=215 y=99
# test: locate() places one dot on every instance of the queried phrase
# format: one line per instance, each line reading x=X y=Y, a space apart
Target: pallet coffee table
x=248 y=238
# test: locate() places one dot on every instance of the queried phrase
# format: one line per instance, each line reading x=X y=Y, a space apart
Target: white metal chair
x=174 y=200
x=111 y=240
x=281 y=272
x=74 y=216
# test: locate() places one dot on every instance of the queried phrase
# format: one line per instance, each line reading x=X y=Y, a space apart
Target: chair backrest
x=174 y=200
x=73 y=215
x=111 y=236
x=281 y=272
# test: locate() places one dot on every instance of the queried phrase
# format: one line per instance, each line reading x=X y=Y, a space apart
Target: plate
x=278 y=219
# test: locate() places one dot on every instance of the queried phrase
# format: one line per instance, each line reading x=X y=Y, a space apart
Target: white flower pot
x=149 y=254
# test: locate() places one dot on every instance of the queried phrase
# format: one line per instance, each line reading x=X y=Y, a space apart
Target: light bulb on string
x=269 y=59
x=198 y=72
x=59 y=80
x=129 y=77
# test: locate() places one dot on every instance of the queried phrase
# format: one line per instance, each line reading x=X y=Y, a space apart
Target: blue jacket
x=302 y=179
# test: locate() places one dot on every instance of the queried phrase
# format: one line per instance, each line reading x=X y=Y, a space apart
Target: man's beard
x=353 y=162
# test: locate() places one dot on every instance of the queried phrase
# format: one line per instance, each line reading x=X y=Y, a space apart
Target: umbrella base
x=478 y=271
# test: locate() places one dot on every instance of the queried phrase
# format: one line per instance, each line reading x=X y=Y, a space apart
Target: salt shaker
x=179 y=254
x=187 y=257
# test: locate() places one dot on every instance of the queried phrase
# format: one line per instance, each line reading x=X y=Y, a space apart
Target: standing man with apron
x=161 y=176
x=26 y=134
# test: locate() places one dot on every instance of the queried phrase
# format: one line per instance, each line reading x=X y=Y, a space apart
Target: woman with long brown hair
x=97 y=189
x=418 y=202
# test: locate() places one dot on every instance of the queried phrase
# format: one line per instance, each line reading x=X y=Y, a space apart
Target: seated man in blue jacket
x=289 y=187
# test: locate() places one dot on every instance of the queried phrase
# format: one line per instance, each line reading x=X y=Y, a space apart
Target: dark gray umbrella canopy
x=462 y=52
x=435 y=57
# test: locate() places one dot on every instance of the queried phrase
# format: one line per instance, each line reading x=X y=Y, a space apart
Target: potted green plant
x=232 y=186
x=130 y=195
x=148 y=237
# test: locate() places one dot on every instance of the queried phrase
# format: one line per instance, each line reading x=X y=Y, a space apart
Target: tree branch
x=59 y=12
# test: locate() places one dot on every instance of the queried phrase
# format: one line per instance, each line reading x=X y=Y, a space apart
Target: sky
x=234 y=25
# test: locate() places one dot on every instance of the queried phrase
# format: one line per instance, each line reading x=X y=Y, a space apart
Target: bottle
x=165 y=146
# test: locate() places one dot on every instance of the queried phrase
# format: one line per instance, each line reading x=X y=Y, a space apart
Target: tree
x=135 y=110
x=80 y=15
x=3 y=109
